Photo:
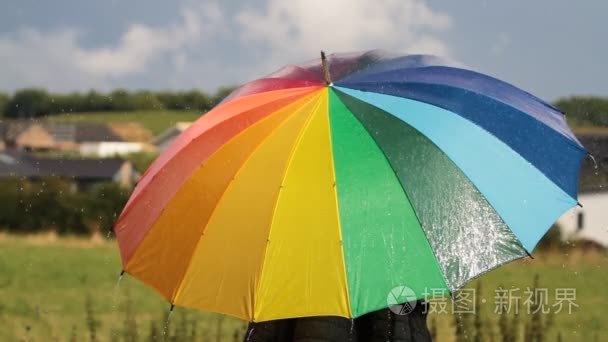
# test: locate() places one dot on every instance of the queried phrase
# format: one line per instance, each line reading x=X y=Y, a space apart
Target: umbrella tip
x=325 y=68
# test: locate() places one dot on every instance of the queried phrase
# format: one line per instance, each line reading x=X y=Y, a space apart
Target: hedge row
x=52 y=204
x=29 y=103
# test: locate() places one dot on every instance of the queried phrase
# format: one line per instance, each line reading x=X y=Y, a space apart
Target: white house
x=110 y=148
x=111 y=140
x=589 y=222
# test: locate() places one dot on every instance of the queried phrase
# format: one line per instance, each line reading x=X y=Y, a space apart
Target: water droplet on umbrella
x=119 y=279
x=115 y=295
x=594 y=161
x=250 y=333
x=166 y=326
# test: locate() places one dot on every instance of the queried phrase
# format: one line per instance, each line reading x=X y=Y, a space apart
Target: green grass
x=156 y=121
x=44 y=286
x=586 y=274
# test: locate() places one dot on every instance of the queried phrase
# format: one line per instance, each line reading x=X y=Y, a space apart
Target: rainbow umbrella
x=299 y=197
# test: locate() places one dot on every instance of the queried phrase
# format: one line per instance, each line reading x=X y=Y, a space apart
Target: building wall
x=109 y=148
x=589 y=222
x=125 y=176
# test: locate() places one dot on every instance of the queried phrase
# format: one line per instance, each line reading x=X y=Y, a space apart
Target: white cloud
x=296 y=28
x=206 y=47
x=141 y=43
x=35 y=58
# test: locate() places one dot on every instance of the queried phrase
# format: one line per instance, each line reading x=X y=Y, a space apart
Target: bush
x=191 y=100
x=221 y=93
x=141 y=160
x=104 y=204
x=552 y=240
x=4 y=98
x=31 y=103
x=585 y=111
x=28 y=103
x=51 y=204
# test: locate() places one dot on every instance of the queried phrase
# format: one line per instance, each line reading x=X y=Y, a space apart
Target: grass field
x=57 y=289
x=155 y=121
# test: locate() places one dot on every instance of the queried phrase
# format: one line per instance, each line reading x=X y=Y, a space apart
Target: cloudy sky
x=552 y=48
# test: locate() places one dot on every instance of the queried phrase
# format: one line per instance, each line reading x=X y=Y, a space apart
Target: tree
x=196 y=100
x=146 y=100
x=94 y=101
x=28 y=103
x=221 y=94
x=4 y=98
x=122 y=100
x=585 y=111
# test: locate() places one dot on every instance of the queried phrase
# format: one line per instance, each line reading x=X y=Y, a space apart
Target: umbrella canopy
x=320 y=188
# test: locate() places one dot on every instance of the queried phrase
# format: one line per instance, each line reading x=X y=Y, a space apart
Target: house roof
x=131 y=131
x=13 y=164
x=20 y=164
x=61 y=131
x=10 y=129
x=81 y=132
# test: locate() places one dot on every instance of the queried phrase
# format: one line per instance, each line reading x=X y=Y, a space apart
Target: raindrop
x=115 y=296
x=595 y=166
x=122 y=273
x=594 y=161
x=250 y=332
x=166 y=326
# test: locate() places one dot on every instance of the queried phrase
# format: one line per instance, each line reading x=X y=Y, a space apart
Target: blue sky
x=551 y=48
